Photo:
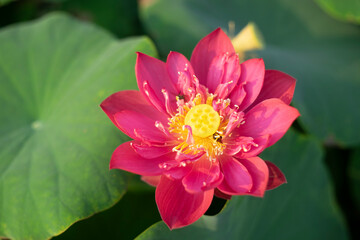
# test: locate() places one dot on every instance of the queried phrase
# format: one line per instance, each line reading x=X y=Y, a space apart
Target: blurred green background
x=60 y=58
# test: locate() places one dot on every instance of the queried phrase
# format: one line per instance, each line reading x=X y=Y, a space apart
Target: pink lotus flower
x=199 y=126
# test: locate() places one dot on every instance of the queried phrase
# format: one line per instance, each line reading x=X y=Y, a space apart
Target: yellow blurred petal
x=249 y=38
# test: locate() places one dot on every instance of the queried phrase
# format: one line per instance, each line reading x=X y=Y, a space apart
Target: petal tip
x=218 y=29
x=259 y=61
x=140 y=55
x=111 y=166
x=170 y=226
x=296 y=113
x=102 y=105
x=171 y=53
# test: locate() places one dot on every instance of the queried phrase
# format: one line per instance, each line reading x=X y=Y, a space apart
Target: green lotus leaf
x=347 y=10
x=3 y=2
x=55 y=140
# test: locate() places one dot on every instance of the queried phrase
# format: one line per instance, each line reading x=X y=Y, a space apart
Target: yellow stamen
x=212 y=142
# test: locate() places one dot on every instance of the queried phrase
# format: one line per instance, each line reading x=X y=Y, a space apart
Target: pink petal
x=277 y=85
x=151 y=180
x=276 y=177
x=138 y=126
x=204 y=175
x=130 y=100
x=235 y=118
x=207 y=49
x=223 y=75
x=237 y=95
x=237 y=179
x=261 y=142
x=236 y=143
x=177 y=172
x=125 y=158
x=181 y=73
x=183 y=165
x=271 y=116
x=259 y=173
x=251 y=78
x=153 y=81
x=151 y=151
x=220 y=194
x=177 y=207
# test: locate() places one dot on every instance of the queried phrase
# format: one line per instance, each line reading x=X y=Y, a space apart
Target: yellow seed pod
x=203 y=120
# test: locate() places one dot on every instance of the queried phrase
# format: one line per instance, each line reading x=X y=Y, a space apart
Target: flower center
x=203 y=120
